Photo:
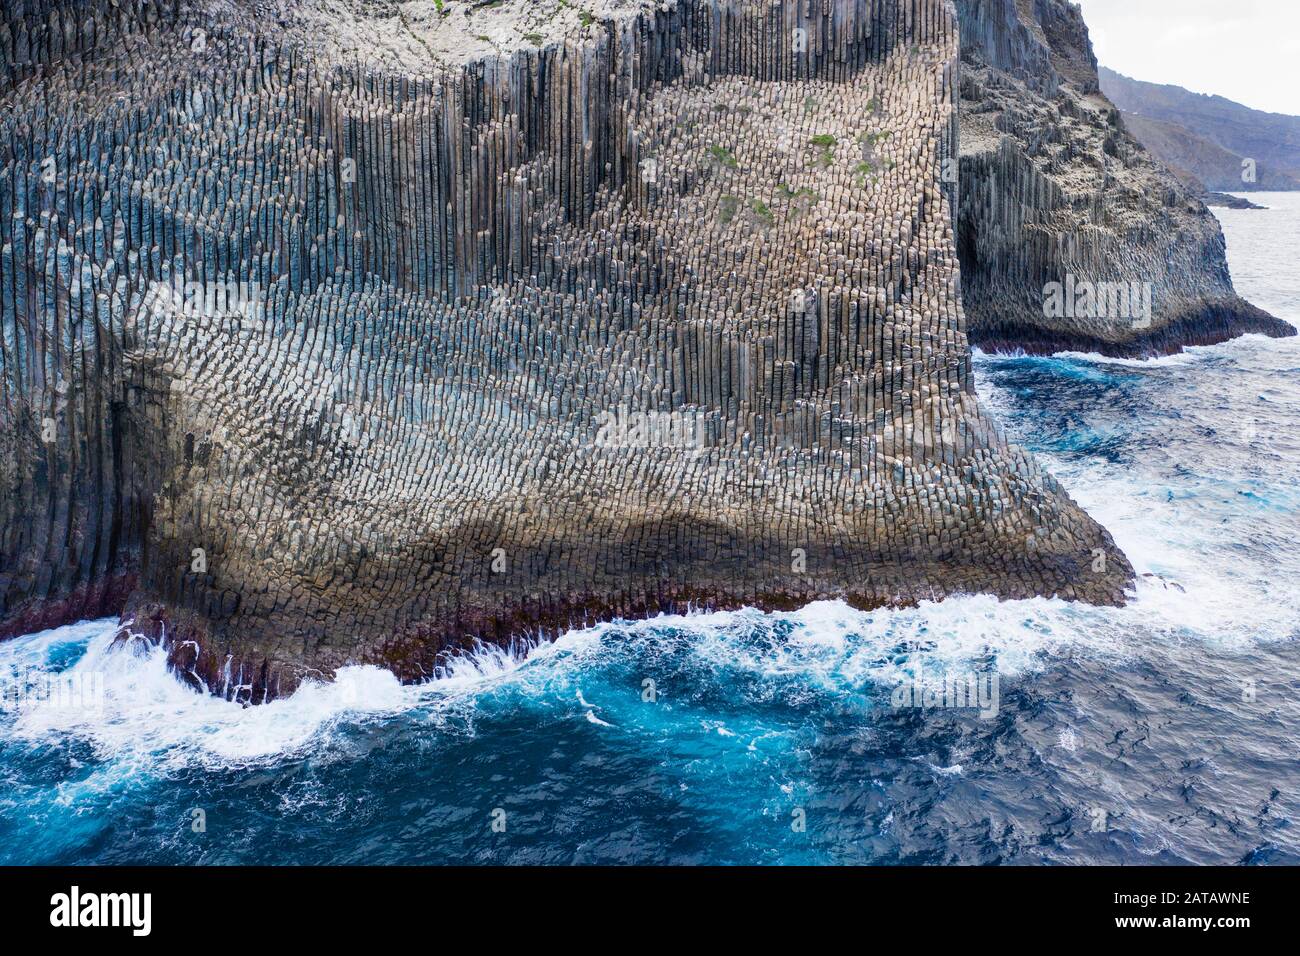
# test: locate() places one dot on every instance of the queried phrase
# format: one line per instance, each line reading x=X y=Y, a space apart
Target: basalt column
x=663 y=313
x=76 y=480
x=1060 y=203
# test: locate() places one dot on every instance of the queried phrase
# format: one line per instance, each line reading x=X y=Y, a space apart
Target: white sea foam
x=1191 y=585
x=1182 y=595
x=824 y=648
x=148 y=711
x=1178 y=358
x=1093 y=358
x=147 y=714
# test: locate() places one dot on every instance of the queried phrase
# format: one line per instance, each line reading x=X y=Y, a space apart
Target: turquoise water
x=1162 y=732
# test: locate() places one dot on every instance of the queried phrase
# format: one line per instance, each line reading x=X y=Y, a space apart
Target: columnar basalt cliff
x=1060 y=203
x=328 y=364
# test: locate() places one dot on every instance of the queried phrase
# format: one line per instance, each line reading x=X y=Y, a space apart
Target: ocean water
x=1167 y=731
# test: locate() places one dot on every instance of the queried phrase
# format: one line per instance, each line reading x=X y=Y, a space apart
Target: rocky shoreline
x=309 y=362
x=1054 y=189
x=1229 y=201
x=1209 y=324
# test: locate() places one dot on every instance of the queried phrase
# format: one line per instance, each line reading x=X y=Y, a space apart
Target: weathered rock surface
x=1055 y=191
x=330 y=365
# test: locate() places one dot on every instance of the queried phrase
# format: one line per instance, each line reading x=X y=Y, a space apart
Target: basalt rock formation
x=328 y=363
x=1056 y=193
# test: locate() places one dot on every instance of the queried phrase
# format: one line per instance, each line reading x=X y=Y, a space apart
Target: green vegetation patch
x=724 y=156
x=826 y=143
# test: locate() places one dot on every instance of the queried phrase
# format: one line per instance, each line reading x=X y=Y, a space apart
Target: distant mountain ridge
x=1206 y=138
x=1197 y=161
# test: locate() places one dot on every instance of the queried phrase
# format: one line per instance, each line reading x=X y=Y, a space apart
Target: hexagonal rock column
x=660 y=311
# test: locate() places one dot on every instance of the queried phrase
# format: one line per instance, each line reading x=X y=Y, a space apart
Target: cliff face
x=1209 y=135
x=1059 y=202
x=330 y=365
x=1201 y=164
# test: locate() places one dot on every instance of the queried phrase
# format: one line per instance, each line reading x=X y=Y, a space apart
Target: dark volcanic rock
x=341 y=365
x=1230 y=202
x=1055 y=191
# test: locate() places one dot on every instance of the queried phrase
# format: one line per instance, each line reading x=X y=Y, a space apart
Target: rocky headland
x=354 y=333
x=1225 y=145
x=1228 y=201
x=1055 y=192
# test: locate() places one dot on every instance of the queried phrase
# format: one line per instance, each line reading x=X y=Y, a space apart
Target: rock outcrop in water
x=326 y=364
x=1058 y=198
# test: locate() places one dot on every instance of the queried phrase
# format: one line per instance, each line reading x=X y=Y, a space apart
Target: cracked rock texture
x=1055 y=190
x=325 y=364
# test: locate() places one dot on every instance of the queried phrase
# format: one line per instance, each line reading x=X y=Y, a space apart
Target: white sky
x=1246 y=50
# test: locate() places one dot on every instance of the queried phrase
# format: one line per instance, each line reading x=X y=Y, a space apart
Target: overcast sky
x=1246 y=50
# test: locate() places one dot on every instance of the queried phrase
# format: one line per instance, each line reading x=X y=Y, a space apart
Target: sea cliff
x=1055 y=192
x=324 y=362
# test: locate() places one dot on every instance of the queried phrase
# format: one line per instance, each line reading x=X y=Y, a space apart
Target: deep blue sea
x=1164 y=732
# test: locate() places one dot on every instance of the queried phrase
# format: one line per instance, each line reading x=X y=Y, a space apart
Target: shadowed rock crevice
x=665 y=314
